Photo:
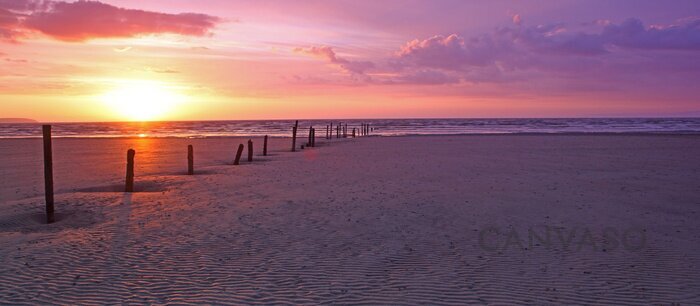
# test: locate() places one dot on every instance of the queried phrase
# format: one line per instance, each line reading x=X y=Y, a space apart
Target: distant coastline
x=17 y=120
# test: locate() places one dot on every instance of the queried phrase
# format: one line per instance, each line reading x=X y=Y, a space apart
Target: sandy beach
x=373 y=220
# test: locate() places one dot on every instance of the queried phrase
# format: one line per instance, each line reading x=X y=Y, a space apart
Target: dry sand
x=374 y=220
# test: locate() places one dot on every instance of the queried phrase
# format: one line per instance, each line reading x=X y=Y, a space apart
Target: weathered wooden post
x=250 y=150
x=130 y=170
x=294 y=139
x=237 y=161
x=48 y=173
x=190 y=160
x=265 y=146
x=330 y=135
x=311 y=129
x=326 y=131
x=353 y=132
x=337 y=131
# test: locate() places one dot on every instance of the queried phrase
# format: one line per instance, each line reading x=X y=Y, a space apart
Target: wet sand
x=373 y=220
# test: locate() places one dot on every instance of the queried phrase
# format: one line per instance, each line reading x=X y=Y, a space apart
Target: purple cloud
x=633 y=34
x=419 y=77
x=527 y=52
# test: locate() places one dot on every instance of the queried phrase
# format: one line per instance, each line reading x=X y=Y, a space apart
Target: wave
x=382 y=127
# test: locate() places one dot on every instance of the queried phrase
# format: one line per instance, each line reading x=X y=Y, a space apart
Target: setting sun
x=142 y=100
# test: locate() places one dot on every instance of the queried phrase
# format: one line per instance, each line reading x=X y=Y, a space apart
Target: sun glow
x=142 y=100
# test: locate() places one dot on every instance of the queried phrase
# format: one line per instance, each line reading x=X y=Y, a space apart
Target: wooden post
x=311 y=129
x=265 y=146
x=294 y=139
x=337 y=131
x=330 y=135
x=48 y=173
x=326 y=131
x=237 y=161
x=353 y=132
x=130 y=170
x=190 y=160
x=250 y=150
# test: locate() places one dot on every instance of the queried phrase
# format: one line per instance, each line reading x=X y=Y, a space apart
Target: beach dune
x=372 y=220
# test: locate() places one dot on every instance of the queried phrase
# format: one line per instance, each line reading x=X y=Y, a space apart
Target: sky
x=114 y=60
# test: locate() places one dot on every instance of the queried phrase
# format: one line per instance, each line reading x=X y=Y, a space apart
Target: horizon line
x=336 y=119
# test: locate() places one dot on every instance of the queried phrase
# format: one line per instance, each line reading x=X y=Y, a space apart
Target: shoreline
x=389 y=127
x=358 y=119
x=377 y=134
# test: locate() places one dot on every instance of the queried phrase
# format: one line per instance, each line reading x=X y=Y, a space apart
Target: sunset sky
x=227 y=59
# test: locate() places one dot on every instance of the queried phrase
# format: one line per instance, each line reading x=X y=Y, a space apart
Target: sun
x=142 y=100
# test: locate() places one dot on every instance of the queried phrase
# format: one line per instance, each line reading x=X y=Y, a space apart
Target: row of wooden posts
x=131 y=154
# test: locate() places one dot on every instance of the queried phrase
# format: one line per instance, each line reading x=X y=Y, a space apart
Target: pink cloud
x=517 y=20
x=84 y=20
x=9 y=23
x=326 y=53
x=436 y=52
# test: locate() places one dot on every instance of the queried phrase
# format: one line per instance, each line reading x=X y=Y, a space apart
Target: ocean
x=382 y=127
